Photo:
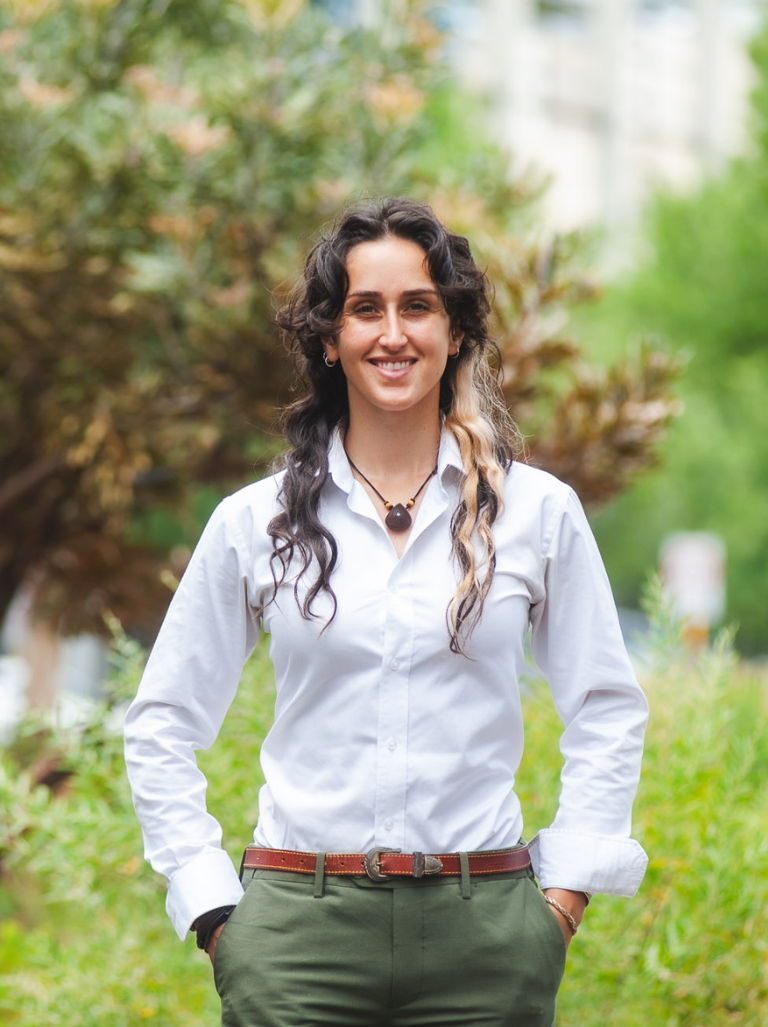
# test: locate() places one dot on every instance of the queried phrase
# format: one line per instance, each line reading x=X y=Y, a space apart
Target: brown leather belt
x=380 y=864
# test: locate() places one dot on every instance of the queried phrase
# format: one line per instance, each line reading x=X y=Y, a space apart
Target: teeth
x=394 y=365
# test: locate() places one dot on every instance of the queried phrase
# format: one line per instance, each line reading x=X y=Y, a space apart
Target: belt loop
x=319 y=875
x=466 y=884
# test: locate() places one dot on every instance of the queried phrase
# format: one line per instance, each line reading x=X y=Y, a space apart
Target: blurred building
x=610 y=98
x=616 y=97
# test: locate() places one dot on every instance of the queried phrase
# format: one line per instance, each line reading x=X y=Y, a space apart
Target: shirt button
x=395 y=665
x=389 y=824
x=393 y=589
x=391 y=745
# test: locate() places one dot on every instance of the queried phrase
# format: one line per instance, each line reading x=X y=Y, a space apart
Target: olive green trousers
x=350 y=952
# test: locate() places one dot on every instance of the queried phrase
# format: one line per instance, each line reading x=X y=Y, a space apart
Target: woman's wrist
x=569 y=904
x=208 y=922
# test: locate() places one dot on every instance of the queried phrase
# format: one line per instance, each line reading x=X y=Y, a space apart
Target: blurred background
x=165 y=166
x=164 y=170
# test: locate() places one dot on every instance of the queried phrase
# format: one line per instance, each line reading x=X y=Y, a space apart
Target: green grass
x=84 y=939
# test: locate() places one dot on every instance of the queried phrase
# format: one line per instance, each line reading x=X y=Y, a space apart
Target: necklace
x=398 y=518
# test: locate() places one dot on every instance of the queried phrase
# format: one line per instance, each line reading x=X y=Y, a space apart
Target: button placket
x=434 y=503
x=392 y=730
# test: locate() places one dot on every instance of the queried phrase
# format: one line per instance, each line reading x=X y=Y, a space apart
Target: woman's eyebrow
x=372 y=293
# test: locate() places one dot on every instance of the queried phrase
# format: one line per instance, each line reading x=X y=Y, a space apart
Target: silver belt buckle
x=372 y=864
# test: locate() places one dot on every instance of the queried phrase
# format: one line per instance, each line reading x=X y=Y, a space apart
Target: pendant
x=398 y=518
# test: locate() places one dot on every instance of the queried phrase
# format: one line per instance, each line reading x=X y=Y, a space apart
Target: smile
x=393 y=365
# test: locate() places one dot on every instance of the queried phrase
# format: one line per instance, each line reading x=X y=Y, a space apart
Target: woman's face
x=396 y=336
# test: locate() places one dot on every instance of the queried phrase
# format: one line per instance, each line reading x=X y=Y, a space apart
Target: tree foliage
x=703 y=286
x=163 y=170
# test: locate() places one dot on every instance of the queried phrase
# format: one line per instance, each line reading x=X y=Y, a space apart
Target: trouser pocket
x=233 y=927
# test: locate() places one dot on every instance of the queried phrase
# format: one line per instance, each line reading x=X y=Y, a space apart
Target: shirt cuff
x=588 y=862
x=208 y=881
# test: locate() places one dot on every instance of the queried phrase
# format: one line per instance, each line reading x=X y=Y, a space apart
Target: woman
x=397 y=563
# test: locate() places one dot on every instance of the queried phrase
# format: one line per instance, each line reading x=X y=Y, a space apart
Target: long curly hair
x=471 y=404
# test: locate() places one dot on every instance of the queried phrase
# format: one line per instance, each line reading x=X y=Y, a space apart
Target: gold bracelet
x=563 y=912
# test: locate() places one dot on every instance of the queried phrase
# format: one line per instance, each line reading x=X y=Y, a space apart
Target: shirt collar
x=338 y=463
x=448 y=462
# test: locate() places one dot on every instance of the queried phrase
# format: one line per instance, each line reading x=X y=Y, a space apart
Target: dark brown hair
x=484 y=431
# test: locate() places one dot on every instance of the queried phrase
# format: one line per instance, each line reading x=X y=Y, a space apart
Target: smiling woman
x=393 y=345
x=397 y=560
x=395 y=337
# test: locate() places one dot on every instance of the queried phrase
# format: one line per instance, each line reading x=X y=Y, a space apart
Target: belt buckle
x=372 y=864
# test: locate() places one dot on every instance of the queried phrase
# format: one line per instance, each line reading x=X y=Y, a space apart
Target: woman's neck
x=393 y=448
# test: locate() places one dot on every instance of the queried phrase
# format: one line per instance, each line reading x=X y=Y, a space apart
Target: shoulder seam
x=556 y=523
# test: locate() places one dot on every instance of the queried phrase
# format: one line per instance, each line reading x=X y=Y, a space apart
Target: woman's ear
x=331 y=350
x=457 y=337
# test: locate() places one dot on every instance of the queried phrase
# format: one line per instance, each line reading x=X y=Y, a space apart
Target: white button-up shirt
x=382 y=736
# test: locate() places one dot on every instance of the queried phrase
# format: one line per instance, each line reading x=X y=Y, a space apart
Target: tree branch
x=29 y=478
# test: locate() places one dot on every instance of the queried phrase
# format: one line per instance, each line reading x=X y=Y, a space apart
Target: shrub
x=84 y=937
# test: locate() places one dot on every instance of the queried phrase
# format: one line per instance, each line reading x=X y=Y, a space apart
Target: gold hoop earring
x=329 y=363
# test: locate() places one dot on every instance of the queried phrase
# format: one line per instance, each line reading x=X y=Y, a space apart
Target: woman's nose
x=392 y=331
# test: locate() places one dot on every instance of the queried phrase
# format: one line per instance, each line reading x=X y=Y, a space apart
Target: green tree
x=703 y=286
x=163 y=168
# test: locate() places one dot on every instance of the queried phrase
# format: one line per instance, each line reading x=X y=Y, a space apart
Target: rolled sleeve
x=206 y=882
x=578 y=646
x=588 y=862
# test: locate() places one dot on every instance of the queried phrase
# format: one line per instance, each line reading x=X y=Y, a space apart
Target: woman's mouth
x=392 y=365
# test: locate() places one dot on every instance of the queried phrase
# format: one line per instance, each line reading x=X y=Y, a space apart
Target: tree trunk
x=31 y=521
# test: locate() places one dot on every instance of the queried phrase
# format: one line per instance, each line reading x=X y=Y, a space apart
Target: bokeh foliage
x=163 y=169
x=702 y=285
x=84 y=938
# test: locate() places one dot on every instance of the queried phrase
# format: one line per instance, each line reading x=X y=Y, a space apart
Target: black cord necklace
x=398 y=518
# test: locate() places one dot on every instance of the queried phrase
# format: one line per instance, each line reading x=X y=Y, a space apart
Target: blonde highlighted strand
x=488 y=441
